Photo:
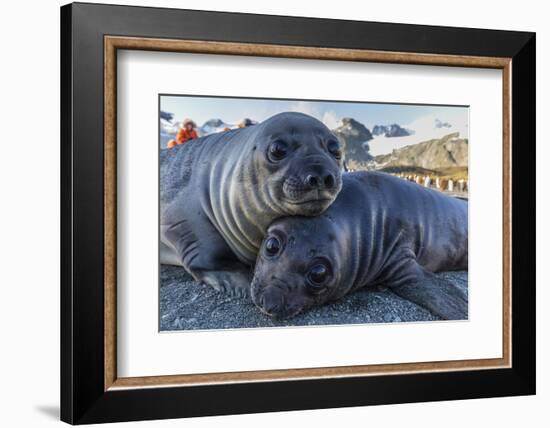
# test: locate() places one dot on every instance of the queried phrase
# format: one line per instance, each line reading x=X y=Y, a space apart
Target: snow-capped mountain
x=446 y=152
x=166 y=116
x=212 y=126
x=354 y=137
x=390 y=131
x=168 y=127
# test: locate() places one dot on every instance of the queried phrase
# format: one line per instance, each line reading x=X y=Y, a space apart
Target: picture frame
x=91 y=35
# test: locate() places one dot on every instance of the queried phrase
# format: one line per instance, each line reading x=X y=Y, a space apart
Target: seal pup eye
x=272 y=246
x=317 y=277
x=278 y=150
x=334 y=149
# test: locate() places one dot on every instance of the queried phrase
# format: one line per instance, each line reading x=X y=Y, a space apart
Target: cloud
x=330 y=119
x=425 y=128
x=306 y=108
x=438 y=125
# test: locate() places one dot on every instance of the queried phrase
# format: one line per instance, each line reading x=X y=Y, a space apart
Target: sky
x=419 y=118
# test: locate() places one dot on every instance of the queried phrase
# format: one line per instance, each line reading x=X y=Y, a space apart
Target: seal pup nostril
x=329 y=181
x=272 y=301
x=272 y=308
x=312 y=181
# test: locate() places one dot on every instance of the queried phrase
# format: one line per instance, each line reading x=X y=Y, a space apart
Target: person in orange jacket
x=186 y=132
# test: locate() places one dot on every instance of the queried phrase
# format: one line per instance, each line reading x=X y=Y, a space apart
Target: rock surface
x=353 y=136
x=187 y=305
x=446 y=152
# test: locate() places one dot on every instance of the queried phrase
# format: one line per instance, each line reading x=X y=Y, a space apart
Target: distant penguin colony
x=439 y=183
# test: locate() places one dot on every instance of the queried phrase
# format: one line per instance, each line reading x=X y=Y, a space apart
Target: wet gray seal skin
x=219 y=193
x=380 y=231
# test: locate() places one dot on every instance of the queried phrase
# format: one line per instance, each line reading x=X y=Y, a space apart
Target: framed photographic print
x=265 y=213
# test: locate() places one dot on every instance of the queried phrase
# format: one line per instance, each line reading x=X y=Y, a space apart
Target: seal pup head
x=299 y=266
x=300 y=162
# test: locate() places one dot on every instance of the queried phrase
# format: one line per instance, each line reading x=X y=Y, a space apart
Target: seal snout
x=272 y=301
x=317 y=181
x=313 y=189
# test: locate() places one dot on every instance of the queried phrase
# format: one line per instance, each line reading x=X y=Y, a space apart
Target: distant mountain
x=393 y=130
x=213 y=125
x=449 y=151
x=354 y=137
x=166 y=116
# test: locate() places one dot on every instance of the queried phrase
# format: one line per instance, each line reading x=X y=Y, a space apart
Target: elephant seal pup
x=219 y=193
x=380 y=231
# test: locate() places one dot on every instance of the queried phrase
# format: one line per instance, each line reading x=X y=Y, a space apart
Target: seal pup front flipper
x=209 y=259
x=439 y=296
x=233 y=282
